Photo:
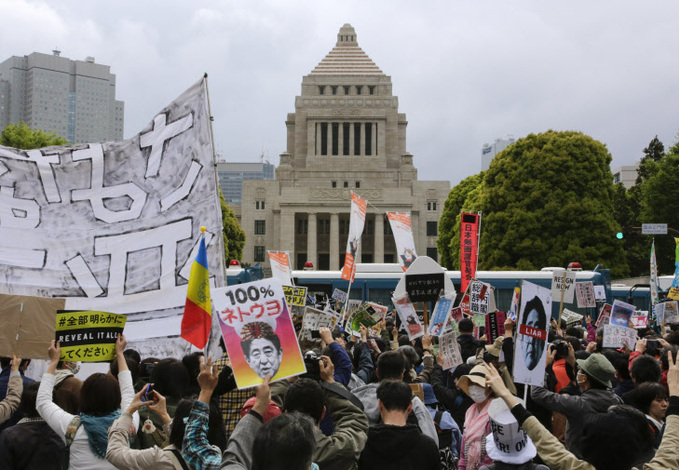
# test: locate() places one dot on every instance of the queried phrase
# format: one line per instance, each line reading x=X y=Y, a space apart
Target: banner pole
x=563 y=288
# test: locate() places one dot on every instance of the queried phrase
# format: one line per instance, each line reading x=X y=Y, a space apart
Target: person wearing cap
x=476 y=425
x=594 y=381
x=262 y=348
x=450 y=435
x=508 y=445
x=615 y=440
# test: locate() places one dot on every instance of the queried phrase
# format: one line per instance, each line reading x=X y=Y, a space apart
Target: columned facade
x=345 y=135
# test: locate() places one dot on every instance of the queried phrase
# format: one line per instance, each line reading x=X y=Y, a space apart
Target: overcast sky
x=465 y=72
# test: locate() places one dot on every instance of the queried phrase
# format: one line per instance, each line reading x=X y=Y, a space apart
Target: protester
x=449 y=434
x=194 y=444
x=394 y=443
x=341 y=450
x=451 y=397
x=101 y=398
x=15 y=386
x=391 y=366
x=507 y=444
x=613 y=440
x=4 y=383
x=31 y=443
x=476 y=425
x=468 y=343
x=651 y=399
x=594 y=381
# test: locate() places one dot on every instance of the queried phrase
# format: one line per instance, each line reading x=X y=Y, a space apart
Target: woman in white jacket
x=101 y=398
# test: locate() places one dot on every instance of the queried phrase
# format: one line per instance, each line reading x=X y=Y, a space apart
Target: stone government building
x=346 y=134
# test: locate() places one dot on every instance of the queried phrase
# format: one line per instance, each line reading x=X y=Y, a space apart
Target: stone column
x=379 y=238
x=334 y=241
x=351 y=138
x=340 y=139
x=287 y=240
x=311 y=243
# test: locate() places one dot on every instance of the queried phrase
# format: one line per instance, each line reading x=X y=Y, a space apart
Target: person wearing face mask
x=68 y=385
x=476 y=424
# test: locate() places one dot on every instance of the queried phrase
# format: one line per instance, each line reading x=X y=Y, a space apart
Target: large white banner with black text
x=115 y=226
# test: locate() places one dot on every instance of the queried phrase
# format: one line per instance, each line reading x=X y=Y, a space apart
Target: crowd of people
x=366 y=402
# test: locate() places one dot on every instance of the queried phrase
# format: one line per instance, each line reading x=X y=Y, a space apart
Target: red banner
x=468 y=248
x=533 y=332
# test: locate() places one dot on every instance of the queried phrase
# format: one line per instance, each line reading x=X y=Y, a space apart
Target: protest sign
x=563 y=279
x=616 y=336
x=529 y=355
x=280 y=267
x=450 y=350
x=640 y=319
x=440 y=315
x=408 y=316
x=380 y=309
x=571 y=317
x=295 y=295
x=88 y=336
x=339 y=295
x=115 y=226
x=403 y=236
x=514 y=308
x=604 y=315
x=424 y=287
x=621 y=313
x=27 y=325
x=313 y=320
x=365 y=315
x=495 y=326
x=464 y=303
x=670 y=312
x=584 y=292
x=453 y=320
x=600 y=293
x=258 y=332
x=479 y=294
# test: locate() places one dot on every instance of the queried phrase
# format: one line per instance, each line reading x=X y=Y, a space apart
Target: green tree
x=547 y=200
x=234 y=235
x=448 y=223
x=660 y=204
x=21 y=136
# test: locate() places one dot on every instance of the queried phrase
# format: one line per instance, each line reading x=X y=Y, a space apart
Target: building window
x=259 y=254
x=260 y=227
x=433 y=253
x=345 y=138
x=346 y=90
x=324 y=226
x=324 y=138
x=335 y=138
x=357 y=138
x=260 y=205
x=334 y=90
x=321 y=89
x=368 y=138
x=359 y=89
x=358 y=184
x=346 y=184
x=431 y=206
x=302 y=226
x=369 y=227
x=371 y=90
x=386 y=229
x=334 y=184
x=432 y=228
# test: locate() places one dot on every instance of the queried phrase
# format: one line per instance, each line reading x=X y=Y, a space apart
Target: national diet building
x=346 y=134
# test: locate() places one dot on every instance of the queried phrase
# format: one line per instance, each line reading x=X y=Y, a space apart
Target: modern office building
x=345 y=135
x=232 y=175
x=626 y=175
x=75 y=99
x=489 y=151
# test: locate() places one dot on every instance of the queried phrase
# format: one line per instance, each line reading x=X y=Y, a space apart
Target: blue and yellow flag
x=197 y=319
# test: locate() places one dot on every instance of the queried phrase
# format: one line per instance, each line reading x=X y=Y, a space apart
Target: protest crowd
x=366 y=402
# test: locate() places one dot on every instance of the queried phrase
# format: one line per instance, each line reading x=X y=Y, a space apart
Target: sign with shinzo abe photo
x=88 y=336
x=531 y=344
x=258 y=332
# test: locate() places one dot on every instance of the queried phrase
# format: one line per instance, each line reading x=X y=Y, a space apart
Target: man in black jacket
x=394 y=443
x=468 y=344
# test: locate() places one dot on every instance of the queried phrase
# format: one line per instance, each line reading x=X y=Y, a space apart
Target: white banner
x=403 y=236
x=115 y=226
x=280 y=267
x=450 y=350
x=359 y=207
x=529 y=356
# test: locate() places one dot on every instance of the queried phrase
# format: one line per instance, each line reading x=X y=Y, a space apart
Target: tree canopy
x=547 y=200
x=234 y=235
x=21 y=136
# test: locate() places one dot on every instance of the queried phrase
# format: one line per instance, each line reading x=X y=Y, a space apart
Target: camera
x=561 y=348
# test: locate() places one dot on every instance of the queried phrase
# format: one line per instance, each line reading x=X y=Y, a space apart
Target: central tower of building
x=346 y=134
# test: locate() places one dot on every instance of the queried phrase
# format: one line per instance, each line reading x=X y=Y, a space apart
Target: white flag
x=403 y=236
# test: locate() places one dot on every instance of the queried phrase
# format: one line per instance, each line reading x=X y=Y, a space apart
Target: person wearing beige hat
x=594 y=380
x=476 y=424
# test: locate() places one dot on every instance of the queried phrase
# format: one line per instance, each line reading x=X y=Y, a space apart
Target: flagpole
x=220 y=241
